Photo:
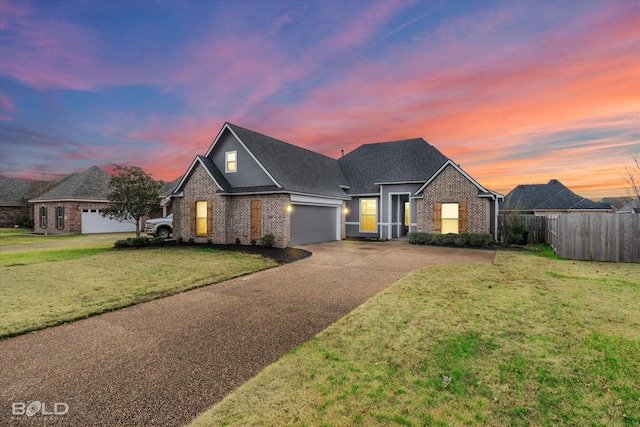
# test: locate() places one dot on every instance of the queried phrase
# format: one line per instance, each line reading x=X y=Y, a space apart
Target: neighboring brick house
x=74 y=206
x=550 y=198
x=14 y=199
x=248 y=185
x=164 y=193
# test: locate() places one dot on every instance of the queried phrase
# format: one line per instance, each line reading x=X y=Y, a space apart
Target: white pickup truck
x=162 y=227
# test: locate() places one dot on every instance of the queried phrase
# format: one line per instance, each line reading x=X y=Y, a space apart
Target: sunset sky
x=516 y=92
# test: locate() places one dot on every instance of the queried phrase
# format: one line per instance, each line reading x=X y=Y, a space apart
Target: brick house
x=74 y=205
x=550 y=198
x=248 y=185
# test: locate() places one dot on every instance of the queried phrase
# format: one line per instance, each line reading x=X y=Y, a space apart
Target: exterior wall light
x=345 y=211
x=288 y=208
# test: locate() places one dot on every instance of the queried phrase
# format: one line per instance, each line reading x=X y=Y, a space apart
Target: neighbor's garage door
x=93 y=222
x=312 y=224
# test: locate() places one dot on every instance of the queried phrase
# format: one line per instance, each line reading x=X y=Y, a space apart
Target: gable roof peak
x=92 y=184
x=406 y=160
x=291 y=168
x=550 y=196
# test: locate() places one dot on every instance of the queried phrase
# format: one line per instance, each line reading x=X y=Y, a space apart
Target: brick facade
x=199 y=188
x=230 y=215
x=72 y=223
x=451 y=186
x=275 y=219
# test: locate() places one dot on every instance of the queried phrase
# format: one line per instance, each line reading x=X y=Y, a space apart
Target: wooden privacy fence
x=535 y=226
x=598 y=237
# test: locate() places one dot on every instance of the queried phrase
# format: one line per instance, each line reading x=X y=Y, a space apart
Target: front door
x=256 y=219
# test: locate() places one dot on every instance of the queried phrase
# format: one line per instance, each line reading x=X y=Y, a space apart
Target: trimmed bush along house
x=248 y=185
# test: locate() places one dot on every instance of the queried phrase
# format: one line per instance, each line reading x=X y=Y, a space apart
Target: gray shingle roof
x=92 y=184
x=410 y=160
x=215 y=172
x=296 y=169
x=615 y=202
x=14 y=192
x=551 y=196
x=631 y=207
x=168 y=187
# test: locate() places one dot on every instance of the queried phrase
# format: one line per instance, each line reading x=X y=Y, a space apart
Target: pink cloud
x=7 y=104
x=365 y=26
x=489 y=108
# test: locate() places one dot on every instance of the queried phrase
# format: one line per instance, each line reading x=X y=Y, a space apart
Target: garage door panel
x=93 y=222
x=312 y=224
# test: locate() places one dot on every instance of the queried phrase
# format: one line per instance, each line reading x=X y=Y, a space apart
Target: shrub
x=511 y=228
x=157 y=241
x=123 y=243
x=24 y=222
x=467 y=240
x=267 y=241
x=138 y=242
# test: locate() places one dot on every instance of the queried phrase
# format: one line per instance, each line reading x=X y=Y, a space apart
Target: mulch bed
x=281 y=256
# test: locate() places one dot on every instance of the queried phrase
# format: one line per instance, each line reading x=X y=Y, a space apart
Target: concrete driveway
x=164 y=362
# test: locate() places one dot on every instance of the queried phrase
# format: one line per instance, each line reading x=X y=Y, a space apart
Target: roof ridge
x=280 y=141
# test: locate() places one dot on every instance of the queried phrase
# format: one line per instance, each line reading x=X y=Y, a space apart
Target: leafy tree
x=134 y=195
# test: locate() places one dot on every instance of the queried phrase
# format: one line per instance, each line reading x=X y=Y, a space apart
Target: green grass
x=51 y=255
x=16 y=236
x=528 y=341
x=43 y=288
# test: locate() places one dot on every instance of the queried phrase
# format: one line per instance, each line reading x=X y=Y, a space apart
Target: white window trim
x=59 y=217
x=200 y=217
x=43 y=217
x=360 y=215
x=226 y=161
x=442 y=217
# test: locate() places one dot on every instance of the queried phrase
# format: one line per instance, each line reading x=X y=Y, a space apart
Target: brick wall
x=275 y=219
x=72 y=216
x=200 y=187
x=453 y=187
x=231 y=218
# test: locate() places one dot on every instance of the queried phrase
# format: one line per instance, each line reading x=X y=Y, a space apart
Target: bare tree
x=632 y=177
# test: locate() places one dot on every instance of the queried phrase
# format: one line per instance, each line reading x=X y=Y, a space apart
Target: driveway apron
x=164 y=362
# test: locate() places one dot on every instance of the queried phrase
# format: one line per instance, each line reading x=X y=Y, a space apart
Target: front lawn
x=527 y=341
x=46 y=287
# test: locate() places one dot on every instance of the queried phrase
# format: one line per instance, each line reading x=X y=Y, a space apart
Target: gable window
x=202 y=219
x=368 y=215
x=43 y=217
x=60 y=217
x=231 y=161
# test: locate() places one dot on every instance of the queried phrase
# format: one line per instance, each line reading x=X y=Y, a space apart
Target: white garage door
x=312 y=224
x=93 y=222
